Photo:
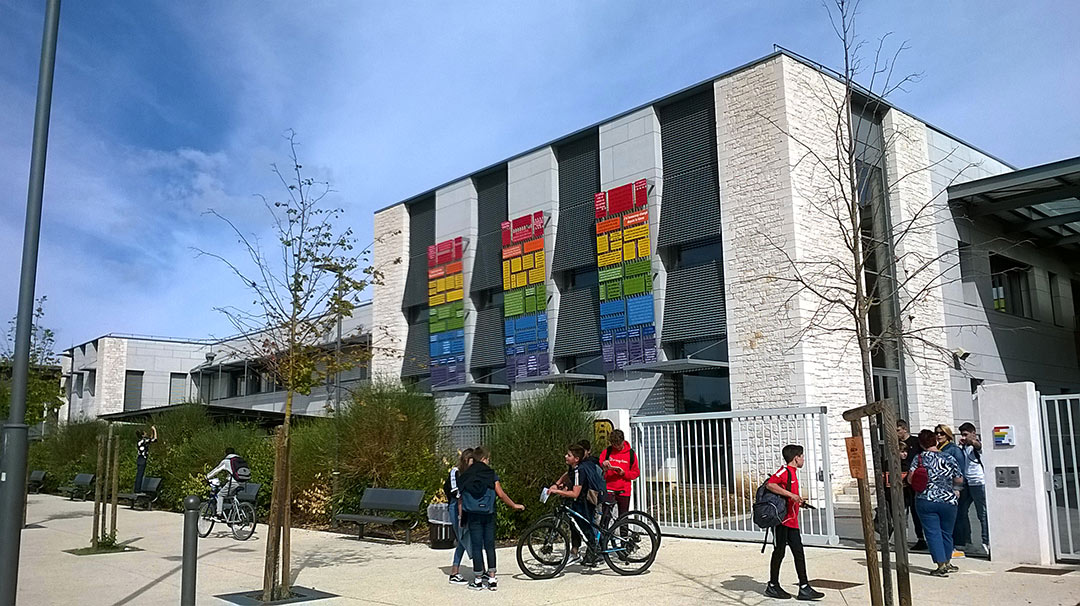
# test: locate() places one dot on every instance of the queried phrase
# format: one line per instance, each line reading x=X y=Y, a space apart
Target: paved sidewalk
x=686 y=571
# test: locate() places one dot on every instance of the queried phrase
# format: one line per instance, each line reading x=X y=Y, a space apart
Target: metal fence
x=1061 y=434
x=460 y=437
x=699 y=472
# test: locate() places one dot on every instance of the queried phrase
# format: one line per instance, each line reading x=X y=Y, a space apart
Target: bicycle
x=629 y=546
x=239 y=516
x=607 y=521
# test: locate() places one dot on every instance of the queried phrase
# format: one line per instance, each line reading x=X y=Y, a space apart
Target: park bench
x=376 y=500
x=81 y=487
x=37 y=479
x=151 y=489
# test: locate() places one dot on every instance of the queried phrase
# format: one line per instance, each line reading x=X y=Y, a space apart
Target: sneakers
x=957 y=553
x=952 y=567
x=575 y=558
x=457 y=579
x=477 y=584
x=773 y=590
x=806 y=592
x=919 y=545
x=986 y=549
x=492 y=583
x=940 y=571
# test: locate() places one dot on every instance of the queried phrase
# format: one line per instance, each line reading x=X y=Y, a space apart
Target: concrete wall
x=1004 y=348
x=533 y=185
x=389 y=255
x=158 y=360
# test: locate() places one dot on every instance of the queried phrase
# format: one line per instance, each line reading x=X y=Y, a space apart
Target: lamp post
x=13 y=456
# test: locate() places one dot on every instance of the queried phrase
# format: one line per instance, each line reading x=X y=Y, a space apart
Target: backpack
x=769 y=508
x=594 y=482
x=919 y=478
x=474 y=504
x=240 y=470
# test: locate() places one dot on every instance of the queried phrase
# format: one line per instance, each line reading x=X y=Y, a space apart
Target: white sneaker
x=575 y=558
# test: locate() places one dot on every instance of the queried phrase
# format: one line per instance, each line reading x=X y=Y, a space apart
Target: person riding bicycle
x=238 y=475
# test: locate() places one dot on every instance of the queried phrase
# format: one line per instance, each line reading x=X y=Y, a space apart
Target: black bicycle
x=240 y=516
x=629 y=546
x=607 y=520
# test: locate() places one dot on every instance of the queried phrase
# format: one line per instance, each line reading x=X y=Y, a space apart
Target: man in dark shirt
x=142 y=448
x=903 y=432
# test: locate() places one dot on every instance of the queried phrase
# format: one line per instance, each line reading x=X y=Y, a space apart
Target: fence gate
x=1061 y=434
x=699 y=472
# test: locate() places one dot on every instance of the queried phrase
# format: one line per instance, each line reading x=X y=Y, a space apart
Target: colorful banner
x=624 y=264
x=446 y=313
x=525 y=297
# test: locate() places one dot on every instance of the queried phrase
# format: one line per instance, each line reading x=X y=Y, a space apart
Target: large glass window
x=1009 y=286
x=703 y=391
x=590 y=364
x=583 y=278
x=877 y=271
x=699 y=253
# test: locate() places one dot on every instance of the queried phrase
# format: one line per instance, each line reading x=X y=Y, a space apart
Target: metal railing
x=699 y=472
x=1061 y=434
x=460 y=437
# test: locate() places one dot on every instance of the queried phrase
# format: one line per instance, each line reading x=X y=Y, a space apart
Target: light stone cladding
x=532 y=184
x=915 y=217
x=389 y=255
x=630 y=150
x=112 y=368
x=456 y=215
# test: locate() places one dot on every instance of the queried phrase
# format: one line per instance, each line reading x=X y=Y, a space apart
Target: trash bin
x=442 y=531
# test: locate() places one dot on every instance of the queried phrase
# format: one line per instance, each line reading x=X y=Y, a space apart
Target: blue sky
x=164 y=109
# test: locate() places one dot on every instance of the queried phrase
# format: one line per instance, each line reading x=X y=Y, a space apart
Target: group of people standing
x=472 y=486
x=944 y=479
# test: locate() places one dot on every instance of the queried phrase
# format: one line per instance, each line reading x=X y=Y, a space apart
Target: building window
x=1055 y=298
x=595 y=392
x=133 y=388
x=583 y=278
x=703 y=391
x=1009 y=286
x=699 y=253
x=177 y=387
x=91 y=381
x=79 y=384
x=487 y=299
x=966 y=264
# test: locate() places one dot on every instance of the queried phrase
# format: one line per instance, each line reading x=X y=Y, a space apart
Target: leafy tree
x=44 y=394
x=301 y=287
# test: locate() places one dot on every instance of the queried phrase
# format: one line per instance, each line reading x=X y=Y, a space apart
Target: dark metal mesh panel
x=417 y=354
x=489 y=345
x=579 y=182
x=691 y=204
x=694 y=305
x=578 y=331
x=421 y=235
x=491 y=212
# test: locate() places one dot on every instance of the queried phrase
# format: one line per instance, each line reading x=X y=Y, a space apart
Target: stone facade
x=389 y=255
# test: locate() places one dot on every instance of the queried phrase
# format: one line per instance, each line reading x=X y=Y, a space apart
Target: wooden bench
x=37 y=478
x=151 y=489
x=377 y=500
x=82 y=486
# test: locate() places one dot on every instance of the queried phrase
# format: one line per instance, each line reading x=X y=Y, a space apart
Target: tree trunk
x=97 y=489
x=286 y=499
x=273 y=530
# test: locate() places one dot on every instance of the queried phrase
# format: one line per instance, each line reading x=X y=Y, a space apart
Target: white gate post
x=1019 y=516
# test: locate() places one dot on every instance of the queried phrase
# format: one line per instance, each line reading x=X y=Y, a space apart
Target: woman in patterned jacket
x=936 y=505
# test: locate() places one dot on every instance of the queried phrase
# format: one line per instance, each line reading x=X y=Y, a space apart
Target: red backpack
x=919 y=478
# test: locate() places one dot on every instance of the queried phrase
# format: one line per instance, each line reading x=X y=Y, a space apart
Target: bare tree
x=310 y=277
x=888 y=264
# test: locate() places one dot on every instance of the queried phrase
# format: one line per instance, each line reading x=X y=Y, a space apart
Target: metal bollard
x=191 y=550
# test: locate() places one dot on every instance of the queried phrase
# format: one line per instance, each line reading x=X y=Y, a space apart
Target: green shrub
x=388 y=437
x=70 y=450
x=528 y=443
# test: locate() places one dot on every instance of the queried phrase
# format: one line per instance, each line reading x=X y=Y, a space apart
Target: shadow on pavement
x=138 y=592
x=70 y=515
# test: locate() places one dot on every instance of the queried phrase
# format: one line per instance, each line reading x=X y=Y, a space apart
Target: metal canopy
x=1040 y=204
x=213 y=410
x=565 y=378
x=680 y=365
x=472 y=388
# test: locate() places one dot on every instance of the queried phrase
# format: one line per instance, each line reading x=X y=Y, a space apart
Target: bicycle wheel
x=243 y=523
x=637 y=514
x=538 y=551
x=206 y=518
x=552 y=544
x=630 y=547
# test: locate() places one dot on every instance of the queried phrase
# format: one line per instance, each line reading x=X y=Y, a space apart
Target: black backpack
x=594 y=485
x=769 y=508
x=241 y=472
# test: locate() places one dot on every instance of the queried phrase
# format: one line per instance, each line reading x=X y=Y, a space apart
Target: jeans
x=482 y=538
x=462 y=534
x=140 y=467
x=787 y=537
x=588 y=511
x=937 y=520
x=977 y=495
x=909 y=504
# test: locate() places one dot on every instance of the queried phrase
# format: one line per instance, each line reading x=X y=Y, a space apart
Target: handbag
x=920 y=477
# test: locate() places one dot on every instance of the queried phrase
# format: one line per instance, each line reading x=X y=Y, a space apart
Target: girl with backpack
x=936 y=479
x=620 y=469
x=479 y=486
x=457 y=517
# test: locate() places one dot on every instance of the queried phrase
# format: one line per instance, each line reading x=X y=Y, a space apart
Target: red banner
x=506 y=233
x=620 y=199
x=521 y=229
x=600 y=205
x=538 y=224
x=636 y=218
x=432 y=256
x=641 y=193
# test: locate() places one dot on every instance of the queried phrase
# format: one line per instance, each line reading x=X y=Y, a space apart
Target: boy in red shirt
x=785 y=483
x=620 y=466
